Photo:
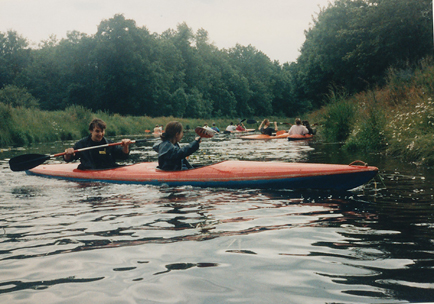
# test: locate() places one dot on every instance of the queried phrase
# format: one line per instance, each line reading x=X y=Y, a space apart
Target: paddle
x=202 y=132
x=29 y=161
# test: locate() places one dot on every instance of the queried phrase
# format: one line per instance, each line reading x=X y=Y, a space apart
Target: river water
x=70 y=242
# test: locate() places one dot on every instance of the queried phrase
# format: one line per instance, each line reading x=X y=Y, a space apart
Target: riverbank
x=21 y=126
x=397 y=119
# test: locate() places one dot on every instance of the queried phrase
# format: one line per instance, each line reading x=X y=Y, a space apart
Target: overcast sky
x=274 y=27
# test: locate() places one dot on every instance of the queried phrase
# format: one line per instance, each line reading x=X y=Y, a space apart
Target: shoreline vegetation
x=397 y=119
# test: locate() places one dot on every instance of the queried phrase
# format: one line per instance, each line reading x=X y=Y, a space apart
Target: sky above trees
x=275 y=27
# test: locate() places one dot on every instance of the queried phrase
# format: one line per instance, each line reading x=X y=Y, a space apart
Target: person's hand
x=198 y=138
x=69 y=153
x=126 y=142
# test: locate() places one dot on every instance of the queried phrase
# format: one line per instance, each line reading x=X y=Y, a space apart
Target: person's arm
x=275 y=126
x=177 y=152
x=260 y=126
x=126 y=145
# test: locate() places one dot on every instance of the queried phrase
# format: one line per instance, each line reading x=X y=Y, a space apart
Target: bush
x=17 y=97
x=338 y=118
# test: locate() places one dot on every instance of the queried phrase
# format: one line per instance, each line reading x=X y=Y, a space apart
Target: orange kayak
x=230 y=174
x=264 y=136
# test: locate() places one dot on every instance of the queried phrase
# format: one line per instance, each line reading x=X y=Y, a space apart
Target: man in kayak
x=308 y=127
x=157 y=129
x=298 y=128
x=240 y=127
x=231 y=127
x=98 y=158
x=266 y=129
x=171 y=156
x=215 y=128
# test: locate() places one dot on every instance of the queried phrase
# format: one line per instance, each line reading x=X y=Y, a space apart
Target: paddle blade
x=251 y=121
x=27 y=161
x=204 y=132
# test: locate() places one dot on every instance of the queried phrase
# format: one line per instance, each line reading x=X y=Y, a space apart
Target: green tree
x=17 y=97
x=352 y=43
x=14 y=56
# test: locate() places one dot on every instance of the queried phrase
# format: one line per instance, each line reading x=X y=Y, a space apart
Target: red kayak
x=228 y=174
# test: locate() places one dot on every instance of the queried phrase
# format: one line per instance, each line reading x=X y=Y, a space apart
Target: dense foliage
x=126 y=69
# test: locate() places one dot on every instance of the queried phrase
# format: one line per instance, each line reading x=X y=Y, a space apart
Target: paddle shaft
x=95 y=147
x=28 y=161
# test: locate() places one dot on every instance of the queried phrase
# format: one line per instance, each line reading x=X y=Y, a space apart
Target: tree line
x=125 y=69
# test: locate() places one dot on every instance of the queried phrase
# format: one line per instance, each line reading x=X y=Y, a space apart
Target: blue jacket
x=171 y=157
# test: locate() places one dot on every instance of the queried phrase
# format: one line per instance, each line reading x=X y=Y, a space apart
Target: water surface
x=69 y=242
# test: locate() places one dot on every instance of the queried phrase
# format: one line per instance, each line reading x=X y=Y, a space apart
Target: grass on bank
x=21 y=126
x=397 y=119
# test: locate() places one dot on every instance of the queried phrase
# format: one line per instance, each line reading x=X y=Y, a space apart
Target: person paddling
x=298 y=128
x=158 y=129
x=98 y=158
x=240 y=127
x=215 y=128
x=171 y=156
x=265 y=128
x=231 y=127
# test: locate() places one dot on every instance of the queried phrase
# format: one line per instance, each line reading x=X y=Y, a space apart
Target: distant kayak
x=299 y=137
x=264 y=136
x=236 y=131
x=229 y=174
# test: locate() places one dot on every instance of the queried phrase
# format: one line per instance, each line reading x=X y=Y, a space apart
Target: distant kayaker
x=215 y=128
x=240 y=127
x=157 y=129
x=98 y=158
x=298 y=128
x=308 y=127
x=265 y=128
x=171 y=156
x=231 y=127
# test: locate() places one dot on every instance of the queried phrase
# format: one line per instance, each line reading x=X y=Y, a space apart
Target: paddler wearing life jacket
x=298 y=128
x=265 y=128
x=98 y=158
x=171 y=156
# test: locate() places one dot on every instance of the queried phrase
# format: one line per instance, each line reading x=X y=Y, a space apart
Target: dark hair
x=298 y=121
x=172 y=128
x=97 y=123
